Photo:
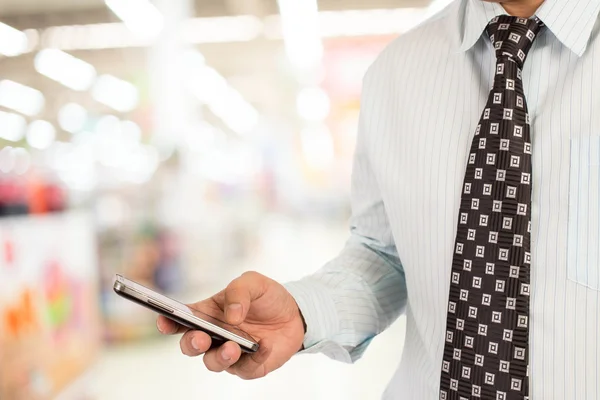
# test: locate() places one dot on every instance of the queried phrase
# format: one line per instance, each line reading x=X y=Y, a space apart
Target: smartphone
x=219 y=331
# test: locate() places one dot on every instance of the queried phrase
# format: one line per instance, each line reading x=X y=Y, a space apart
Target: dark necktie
x=487 y=332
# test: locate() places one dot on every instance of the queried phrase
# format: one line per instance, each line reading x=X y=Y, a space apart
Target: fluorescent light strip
x=116 y=93
x=20 y=98
x=212 y=89
x=72 y=117
x=91 y=37
x=140 y=16
x=236 y=112
x=241 y=28
x=22 y=160
x=300 y=28
x=13 y=42
x=65 y=69
x=7 y=159
x=12 y=126
x=40 y=134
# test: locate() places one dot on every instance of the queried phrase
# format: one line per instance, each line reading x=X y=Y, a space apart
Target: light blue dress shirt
x=421 y=102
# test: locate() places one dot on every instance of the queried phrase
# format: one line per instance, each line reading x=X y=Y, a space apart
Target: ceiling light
x=108 y=125
x=131 y=132
x=7 y=159
x=140 y=16
x=22 y=160
x=13 y=42
x=116 y=93
x=194 y=59
x=20 y=98
x=72 y=117
x=300 y=27
x=239 y=115
x=141 y=164
x=302 y=30
x=202 y=138
x=12 y=126
x=240 y=28
x=111 y=35
x=212 y=89
x=65 y=69
x=40 y=134
x=209 y=84
x=75 y=165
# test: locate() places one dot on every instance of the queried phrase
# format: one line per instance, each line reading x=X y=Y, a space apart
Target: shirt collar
x=570 y=21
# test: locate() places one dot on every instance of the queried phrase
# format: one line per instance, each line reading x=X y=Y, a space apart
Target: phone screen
x=186 y=309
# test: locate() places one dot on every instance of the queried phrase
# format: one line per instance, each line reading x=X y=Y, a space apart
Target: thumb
x=240 y=293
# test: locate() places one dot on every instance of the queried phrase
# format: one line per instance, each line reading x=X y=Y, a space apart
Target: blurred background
x=177 y=142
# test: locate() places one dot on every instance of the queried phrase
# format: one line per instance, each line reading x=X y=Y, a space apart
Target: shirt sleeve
x=363 y=290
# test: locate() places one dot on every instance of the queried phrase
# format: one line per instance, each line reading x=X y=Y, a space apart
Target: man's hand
x=257 y=305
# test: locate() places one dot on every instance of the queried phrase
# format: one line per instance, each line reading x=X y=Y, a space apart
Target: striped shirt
x=421 y=102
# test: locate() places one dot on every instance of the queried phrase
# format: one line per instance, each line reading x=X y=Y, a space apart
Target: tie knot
x=512 y=37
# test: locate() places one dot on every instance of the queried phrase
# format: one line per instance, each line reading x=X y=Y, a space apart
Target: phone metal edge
x=122 y=287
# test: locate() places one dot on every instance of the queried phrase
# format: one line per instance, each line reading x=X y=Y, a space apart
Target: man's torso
x=425 y=100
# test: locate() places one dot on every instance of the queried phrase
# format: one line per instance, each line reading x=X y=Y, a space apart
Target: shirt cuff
x=320 y=314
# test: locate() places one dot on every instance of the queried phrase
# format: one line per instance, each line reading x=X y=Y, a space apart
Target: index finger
x=167 y=326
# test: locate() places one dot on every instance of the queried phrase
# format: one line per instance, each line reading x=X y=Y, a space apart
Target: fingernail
x=234 y=312
x=158 y=327
x=225 y=356
x=195 y=344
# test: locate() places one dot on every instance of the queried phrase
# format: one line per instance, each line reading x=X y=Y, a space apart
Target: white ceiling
x=21 y=7
x=41 y=6
x=257 y=69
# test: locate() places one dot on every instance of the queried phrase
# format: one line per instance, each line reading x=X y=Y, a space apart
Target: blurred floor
x=157 y=370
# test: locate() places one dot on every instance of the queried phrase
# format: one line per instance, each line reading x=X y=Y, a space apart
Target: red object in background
x=7 y=192
x=55 y=198
x=37 y=201
x=45 y=198
x=30 y=194
x=13 y=197
x=9 y=254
